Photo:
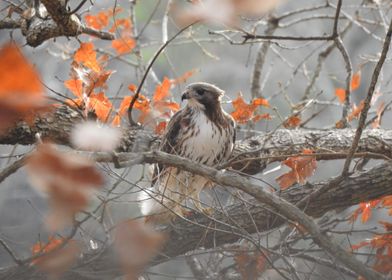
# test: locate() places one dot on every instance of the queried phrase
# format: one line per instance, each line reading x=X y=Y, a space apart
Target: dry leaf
x=302 y=167
x=68 y=180
x=21 y=91
x=292 y=122
x=87 y=56
x=244 y=112
x=136 y=244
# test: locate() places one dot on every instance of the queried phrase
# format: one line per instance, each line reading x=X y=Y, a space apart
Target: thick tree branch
x=251 y=155
x=230 y=225
x=38 y=29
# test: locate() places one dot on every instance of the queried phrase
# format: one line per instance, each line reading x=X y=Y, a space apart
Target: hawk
x=202 y=132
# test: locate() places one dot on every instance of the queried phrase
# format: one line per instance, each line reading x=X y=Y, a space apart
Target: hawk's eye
x=200 y=92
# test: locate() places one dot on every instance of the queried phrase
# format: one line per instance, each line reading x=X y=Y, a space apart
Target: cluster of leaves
x=125 y=42
x=381 y=243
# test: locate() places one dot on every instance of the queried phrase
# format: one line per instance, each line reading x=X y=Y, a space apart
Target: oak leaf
x=302 y=167
x=244 y=112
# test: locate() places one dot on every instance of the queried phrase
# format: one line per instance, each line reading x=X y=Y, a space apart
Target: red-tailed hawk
x=202 y=132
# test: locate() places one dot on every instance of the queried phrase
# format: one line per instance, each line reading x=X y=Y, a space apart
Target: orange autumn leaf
x=21 y=91
x=260 y=102
x=99 y=21
x=292 y=122
x=116 y=120
x=341 y=94
x=17 y=75
x=259 y=117
x=101 y=106
x=123 y=45
x=75 y=86
x=356 y=80
x=356 y=111
x=364 y=209
x=244 y=112
x=68 y=181
x=162 y=91
x=122 y=23
x=302 y=167
x=87 y=55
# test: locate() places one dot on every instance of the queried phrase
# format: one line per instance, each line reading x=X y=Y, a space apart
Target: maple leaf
x=68 y=180
x=244 y=112
x=57 y=255
x=136 y=243
x=21 y=91
x=302 y=167
x=99 y=21
x=87 y=55
x=292 y=122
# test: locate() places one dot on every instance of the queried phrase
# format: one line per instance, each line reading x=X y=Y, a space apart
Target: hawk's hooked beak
x=185 y=95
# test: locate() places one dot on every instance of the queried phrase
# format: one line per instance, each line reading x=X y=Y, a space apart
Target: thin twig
x=363 y=116
x=156 y=55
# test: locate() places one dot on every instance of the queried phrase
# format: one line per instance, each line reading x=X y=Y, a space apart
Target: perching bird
x=202 y=132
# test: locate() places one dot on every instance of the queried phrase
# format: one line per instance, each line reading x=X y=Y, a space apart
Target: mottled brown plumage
x=202 y=132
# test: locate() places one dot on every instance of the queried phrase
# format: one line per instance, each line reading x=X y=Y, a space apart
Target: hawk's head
x=203 y=95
